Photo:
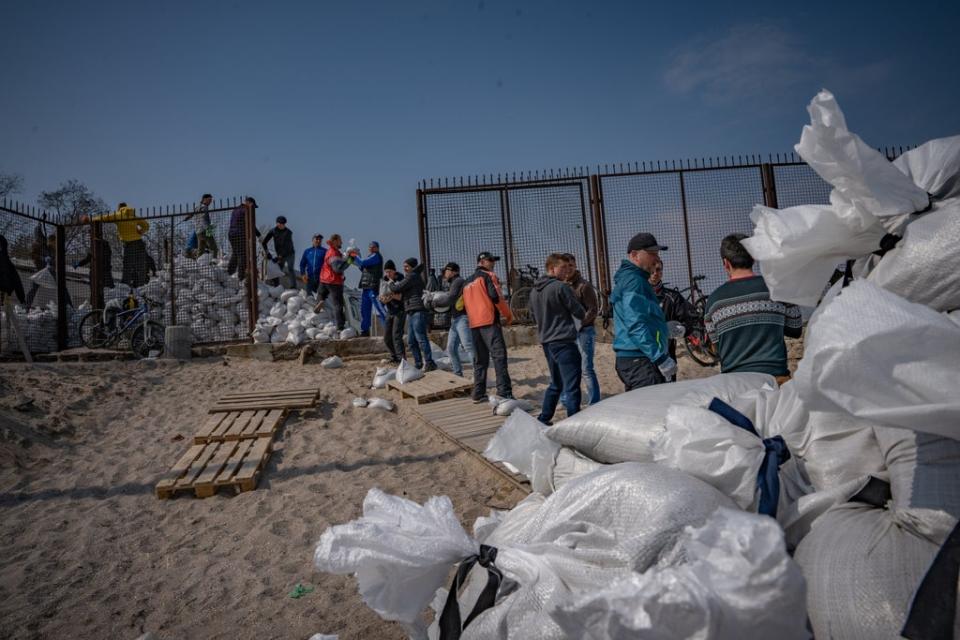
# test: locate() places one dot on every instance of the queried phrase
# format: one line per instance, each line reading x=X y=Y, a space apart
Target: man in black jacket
x=448 y=298
x=411 y=288
x=557 y=312
x=393 y=302
x=675 y=306
x=283 y=246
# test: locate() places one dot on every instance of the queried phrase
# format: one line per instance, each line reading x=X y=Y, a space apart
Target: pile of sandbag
x=671 y=511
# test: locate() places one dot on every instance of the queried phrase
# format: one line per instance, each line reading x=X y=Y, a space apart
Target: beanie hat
x=413 y=262
x=390 y=265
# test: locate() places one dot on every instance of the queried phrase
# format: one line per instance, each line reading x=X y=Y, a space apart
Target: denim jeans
x=459 y=334
x=586 y=341
x=368 y=304
x=563 y=361
x=417 y=338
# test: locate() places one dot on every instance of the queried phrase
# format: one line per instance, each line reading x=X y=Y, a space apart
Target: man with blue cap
x=371 y=273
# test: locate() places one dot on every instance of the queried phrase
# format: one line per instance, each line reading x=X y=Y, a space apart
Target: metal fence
x=688 y=205
x=71 y=267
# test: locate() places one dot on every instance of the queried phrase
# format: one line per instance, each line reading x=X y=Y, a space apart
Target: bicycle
x=145 y=336
x=521 y=284
x=697 y=341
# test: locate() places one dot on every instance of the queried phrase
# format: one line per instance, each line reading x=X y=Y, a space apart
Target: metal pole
x=422 y=229
x=507 y=236
x=686 y=227
x=61 y=266
x=96 y=269
x=769 y=185
x=172 y=273
x=250 y=226
x=586 y=235
x=600 y=233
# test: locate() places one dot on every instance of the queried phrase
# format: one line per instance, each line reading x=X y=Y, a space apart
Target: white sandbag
x=858 y=172
x=296 y=337
x=276 y=291
x=571 y=464
x=522 y=443
x=380 y=403
x=348 y=333
x=44 y=279
x=705 y=445
x=400 y=552
x=924 y=267
x=730 y=578
x=359 y=403
x=278 y=310
x=261 y=334
x=924 y=479
x=382 y=376
x=406 y=372
x=934 y=166
x=622 y=427
x=835 y=448
x=272 y=271
x=312 y=333
x=911 y=354
x=862 y=565
x=333 y=362
x=286 y=295
x=507 y=407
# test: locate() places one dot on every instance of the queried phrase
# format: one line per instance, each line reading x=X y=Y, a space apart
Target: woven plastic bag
x=521 y=443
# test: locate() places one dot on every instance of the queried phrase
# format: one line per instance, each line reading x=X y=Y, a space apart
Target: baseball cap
x=318 y=236
x=453 y=266
x=644 y=242
x=486 y=255
x=374 y=243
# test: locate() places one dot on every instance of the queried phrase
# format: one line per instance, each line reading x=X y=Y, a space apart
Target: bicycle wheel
x=700 y=347
x=93 y=334
x=147 y=338
x=520 y=305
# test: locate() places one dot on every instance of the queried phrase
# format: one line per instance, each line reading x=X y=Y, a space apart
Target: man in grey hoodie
x=557 y=313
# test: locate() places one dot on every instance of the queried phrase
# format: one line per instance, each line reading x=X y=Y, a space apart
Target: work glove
x=676 y=329
x=668 y=367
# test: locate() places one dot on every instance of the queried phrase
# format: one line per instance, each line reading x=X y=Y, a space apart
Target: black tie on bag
x=450 y=627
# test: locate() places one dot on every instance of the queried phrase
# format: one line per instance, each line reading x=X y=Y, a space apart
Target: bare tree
x=71 y=200
x=10 y=183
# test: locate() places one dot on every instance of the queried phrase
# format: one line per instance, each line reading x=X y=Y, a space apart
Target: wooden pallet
x=281 y=399
x=435 y=385
x=204 y=468
x=240 y=425
x=470 y=426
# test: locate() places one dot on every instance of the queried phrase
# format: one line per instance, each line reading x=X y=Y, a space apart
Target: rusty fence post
x=250 y=240
x=686 y=227
x=599 y=234
x=60 y=264
x=769 y=185
x=171 y=270
x=422 y=228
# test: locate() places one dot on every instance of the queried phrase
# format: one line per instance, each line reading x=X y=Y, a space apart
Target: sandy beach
x=90 y=552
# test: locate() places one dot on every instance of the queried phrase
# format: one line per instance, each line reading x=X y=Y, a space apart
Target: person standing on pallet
x=411 y=288
x=393 y=328
x=641 y=335
x=745 y=324
x=371 y=272
x=485 y=306
x=558 y=315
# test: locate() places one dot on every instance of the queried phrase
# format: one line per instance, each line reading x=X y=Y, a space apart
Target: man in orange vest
x=485 y=306
x=331 y=279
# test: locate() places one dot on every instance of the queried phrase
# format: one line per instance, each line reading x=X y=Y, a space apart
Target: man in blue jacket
x=641 y=341
x=371 y=272
x=311 y=263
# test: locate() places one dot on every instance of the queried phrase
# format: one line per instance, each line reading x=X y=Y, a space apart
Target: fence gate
x=521 y=221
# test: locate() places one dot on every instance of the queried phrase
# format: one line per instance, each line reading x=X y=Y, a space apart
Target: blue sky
x=331 y=112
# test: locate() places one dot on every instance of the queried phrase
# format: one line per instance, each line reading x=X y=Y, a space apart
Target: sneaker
x=364 y=334
x=478 y=400
x=431 y=366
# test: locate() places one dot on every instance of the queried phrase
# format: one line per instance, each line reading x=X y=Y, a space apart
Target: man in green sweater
x=745 y=324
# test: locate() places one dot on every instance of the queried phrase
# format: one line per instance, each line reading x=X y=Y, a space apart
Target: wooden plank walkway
x=435 y=385
x=470 y=426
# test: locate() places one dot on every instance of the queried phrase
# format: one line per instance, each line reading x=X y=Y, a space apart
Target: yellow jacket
x=129 y=226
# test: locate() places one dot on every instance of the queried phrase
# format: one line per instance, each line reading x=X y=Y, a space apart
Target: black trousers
x=393 y=335
x=638 y=372
x=488 y=343
x=238 y=257
x=334 y=293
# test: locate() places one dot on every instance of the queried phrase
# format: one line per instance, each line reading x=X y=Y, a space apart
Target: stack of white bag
x=38 y=325
x=694 y=568
x=209 y=300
